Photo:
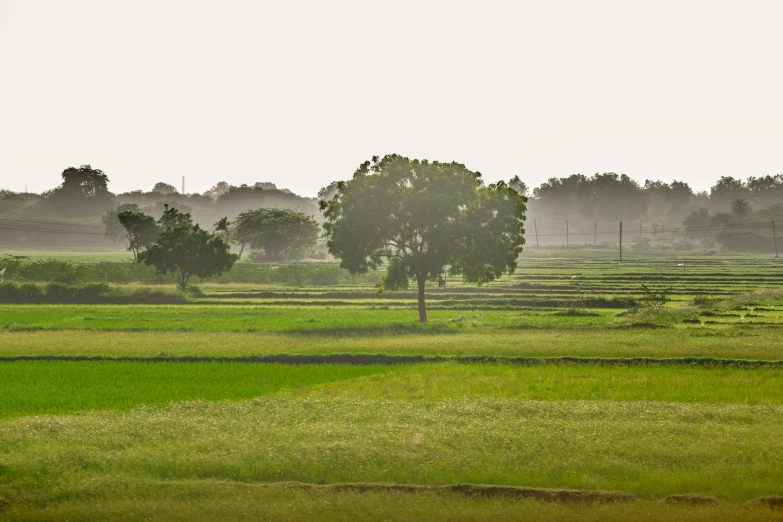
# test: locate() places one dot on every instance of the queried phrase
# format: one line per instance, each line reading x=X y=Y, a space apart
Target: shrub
x=30 y=291
x=651 y=297
x=58 y=292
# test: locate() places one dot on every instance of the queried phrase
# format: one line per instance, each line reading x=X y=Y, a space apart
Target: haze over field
x=300 y=93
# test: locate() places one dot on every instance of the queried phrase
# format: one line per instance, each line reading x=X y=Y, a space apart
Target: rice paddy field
x=560 y=393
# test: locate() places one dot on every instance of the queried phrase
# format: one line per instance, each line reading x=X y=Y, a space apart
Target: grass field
x=85 y=255
x=693 y=432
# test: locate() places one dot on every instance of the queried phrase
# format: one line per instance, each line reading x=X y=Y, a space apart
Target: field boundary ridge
x=391 y=360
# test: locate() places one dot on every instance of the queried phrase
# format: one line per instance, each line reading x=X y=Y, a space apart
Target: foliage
x=164 y=188
x=740 y=208
x=276 y=234
x=140 y=230
x=420 y=217
x=520 y=186
x=84 y=191
x=92 y=293
x=186 y=250
x=114 y=229
x=328 y=192
x=606 y=197
x=653 y=297
x=47 y=270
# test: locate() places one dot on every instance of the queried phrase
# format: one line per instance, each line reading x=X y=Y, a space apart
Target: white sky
x=300 y=93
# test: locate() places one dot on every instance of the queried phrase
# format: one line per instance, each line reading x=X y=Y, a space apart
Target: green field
x=85 y=255
x=151 y=427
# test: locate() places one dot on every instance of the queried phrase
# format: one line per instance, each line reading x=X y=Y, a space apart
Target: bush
x=30 y=291
x=651 y=297
x=58 y=292
x=53 y=271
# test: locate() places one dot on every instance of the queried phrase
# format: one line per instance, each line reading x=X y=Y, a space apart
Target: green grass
x=243 y=318
x=721 y=342
x=64 y=387
x=131 y=440
x=74 y=255
x=564 y=382
x=656 y=449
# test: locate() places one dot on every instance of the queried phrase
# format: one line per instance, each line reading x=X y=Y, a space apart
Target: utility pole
x=640 y=228
x=775 y=238
x=567 y=242
x=535 y=225
x=595 y=233
x=621 y=241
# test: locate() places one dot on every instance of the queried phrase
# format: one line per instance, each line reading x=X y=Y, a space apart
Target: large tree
x=277 y=233
x=83 y=191
x=419 y=217
x=186 y=250
x=164 y=188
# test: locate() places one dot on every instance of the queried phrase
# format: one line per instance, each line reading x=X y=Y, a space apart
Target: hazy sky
x=300 y=93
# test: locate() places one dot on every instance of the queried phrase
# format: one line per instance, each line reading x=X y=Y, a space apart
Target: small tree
x=186 y=250
x=421 y=217
x=114 y=229
x=222 y=229
x=140 y=230
x=279 y=233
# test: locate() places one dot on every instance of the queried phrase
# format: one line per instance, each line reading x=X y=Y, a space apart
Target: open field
x=712 y=341
x=63 y=387
x=229 y=438
x=85 y=255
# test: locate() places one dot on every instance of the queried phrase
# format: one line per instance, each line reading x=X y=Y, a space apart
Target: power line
x=51 y=223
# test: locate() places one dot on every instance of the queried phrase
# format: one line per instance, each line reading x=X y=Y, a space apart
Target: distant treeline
x=734 y=214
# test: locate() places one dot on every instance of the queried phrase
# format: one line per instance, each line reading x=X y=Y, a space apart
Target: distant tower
x=183 y=185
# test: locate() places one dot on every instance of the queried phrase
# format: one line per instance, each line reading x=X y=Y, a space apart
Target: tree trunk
x=420 y=279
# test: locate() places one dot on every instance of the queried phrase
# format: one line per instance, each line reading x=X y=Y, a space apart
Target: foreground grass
x=207 y=500
x=723 y=342
x=564 y=382
x=729 y=451
x=62 y=387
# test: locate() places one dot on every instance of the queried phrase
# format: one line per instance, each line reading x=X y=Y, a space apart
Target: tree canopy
x=83 y=191
x=164 y=188
x=419 y=217
x=277 y=234
x=186 y=250
x=114 y=229
x=140 y=229
x=740 y=208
